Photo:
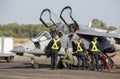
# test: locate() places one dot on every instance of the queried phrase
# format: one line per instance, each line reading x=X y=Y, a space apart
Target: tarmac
x=21 y=68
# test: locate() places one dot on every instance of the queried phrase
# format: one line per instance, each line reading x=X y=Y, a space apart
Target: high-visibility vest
x=79 y=48
x=55 y=46
x=94 y=47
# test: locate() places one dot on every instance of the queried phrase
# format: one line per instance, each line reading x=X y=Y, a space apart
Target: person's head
x=66 y=50
x=80 y=39
x=56 y=37
x=94 y=38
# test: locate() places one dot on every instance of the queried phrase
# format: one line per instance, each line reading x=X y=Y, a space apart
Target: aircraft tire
x=35 y=66
x=9 y=59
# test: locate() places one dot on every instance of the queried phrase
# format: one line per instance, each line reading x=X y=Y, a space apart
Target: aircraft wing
x=95 y=33
x=39 y=52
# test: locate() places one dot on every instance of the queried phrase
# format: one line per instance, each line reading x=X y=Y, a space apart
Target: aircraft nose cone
x=18 y=49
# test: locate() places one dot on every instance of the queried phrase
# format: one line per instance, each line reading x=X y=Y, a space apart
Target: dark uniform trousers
x=54 y=55
x=81 y=56
x=94 y=57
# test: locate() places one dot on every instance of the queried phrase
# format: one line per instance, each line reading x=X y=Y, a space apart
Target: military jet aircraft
x=69 y=32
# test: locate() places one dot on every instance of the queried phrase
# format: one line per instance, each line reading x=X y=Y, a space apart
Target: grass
x=20 y=40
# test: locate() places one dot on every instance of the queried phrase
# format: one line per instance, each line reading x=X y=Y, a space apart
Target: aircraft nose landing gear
x=35 y=65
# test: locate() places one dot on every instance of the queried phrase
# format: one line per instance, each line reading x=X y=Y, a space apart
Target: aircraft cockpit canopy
x=43 y=36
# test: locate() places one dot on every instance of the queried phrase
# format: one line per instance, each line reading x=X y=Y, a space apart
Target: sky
x=28 y=11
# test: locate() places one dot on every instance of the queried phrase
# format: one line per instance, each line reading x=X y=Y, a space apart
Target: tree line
x=96 y=23
x=21 y=30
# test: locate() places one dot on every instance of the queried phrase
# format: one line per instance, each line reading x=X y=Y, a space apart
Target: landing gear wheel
x=9 y=59
x=111 y=62
x=35 y=65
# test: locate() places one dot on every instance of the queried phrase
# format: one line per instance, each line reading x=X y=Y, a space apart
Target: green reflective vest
x=94 y=47
x=79 y=48
x=55 y=46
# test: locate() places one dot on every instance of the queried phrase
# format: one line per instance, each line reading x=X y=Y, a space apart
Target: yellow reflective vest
x=79 y=48
x=55 y=46
x=94 y=47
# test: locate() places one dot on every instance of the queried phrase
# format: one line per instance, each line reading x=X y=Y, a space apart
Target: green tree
x=96 y=23
x=20 y=31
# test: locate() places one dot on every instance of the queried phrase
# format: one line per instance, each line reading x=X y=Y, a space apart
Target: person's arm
x=64 y=57
x=59 y=44
x=50 y=44
x=98 y=45
x=83 y=47
x=76 y=46
x=90 y=47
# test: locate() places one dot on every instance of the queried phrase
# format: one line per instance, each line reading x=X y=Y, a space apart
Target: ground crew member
x=94 y=49
x=80 y=49
x=55 y=46
x=67 y=59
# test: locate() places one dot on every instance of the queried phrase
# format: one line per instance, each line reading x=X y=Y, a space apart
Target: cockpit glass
x=66 y=15
x=43 y=36
x=46 y=18
x=38 y=35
